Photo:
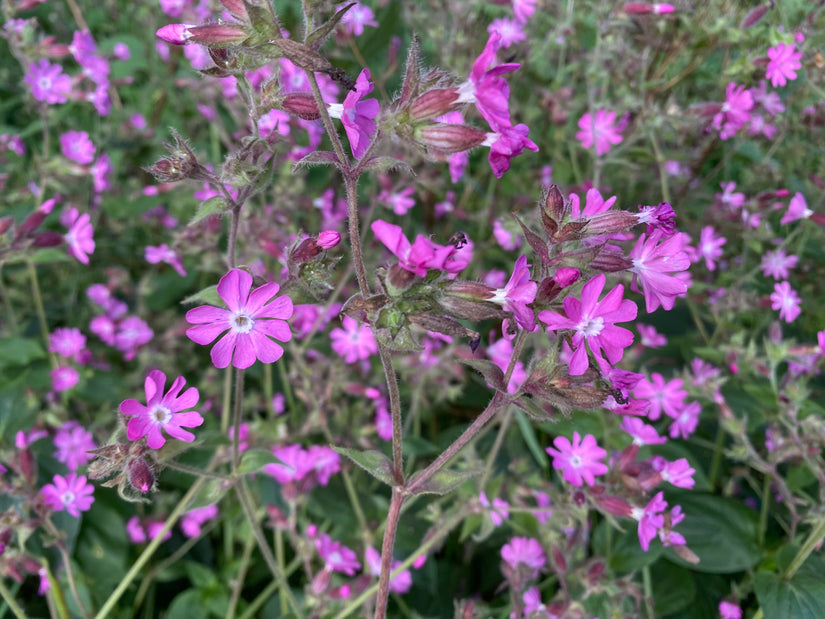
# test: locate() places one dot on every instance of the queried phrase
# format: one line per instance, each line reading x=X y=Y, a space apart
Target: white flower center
x=242 y=322
x=575 y=461
x=591 y=327
x=67 y=497
x=161 y=415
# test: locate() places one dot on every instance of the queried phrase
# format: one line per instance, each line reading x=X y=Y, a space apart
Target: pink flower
x=523 y=9
x=733 y=200
x=735 y=111
x=423 y=254
x=400 y=201
x=77 y=146
x=48 y=82
x=163 y=412
x=131 y=334
x=776 y=264
x=653 y=265
x=192 y=521
x=599 y=129
x=642 y=433
x=500 y=353
x=505 y=143
x=67 y=342
x=580 y=460
x=486 y=88
x=594 y=324
x=73 y=443
x=649 y=337
x=650 y=519
x=525 y=551
x=293 y=466
x=325 y=462
x=508 y=239
x=797 y=209
x=64 y=377
x=785 y=299
x=336 y=556
x=667 y=397
x=499 y=509
x=685 y=421
x=357 y=115
x=353 y=342
x=135 y=531
x=678 y=473
x=70 y=493
x=79 y=237
x=594 y=204
x=517 y=293
x=511 y=30
x=357 y=17
x=164 y=253
x=399 y=584
x=783 y=63
x=252 y=321
x=728 y=610
x=710 y=247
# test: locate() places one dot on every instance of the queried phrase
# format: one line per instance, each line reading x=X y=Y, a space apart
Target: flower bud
x=303 y=252
x=217 y=35
x=302 y=105
x=328 y=239
x=611 y=222
x=141 y=477
x=615 y=505
x=611 y=261
x=47 y=239
x=236 y=8
x=755 y=15
x=5 y=224
x=435 y=102
x=552 y=211
x=175 y=34
x=559 y=560
x=645 y=8
x=31 y=223
x=28 y=465
x=449 y=139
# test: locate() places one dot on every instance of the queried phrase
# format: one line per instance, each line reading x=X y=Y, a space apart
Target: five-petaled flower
x=580 y=460
x=252 y=320
x=594 y=323
x=162 y=412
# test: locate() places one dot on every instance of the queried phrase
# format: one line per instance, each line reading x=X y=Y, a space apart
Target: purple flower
x=499 y=508
x=526 y=551
x=650 y=519
x=353 y=342
x=67 y=342
x=735 y=111
x=509 y=239
x=685 y=421
x=642 y=433
x=400 y=201
x=599 y=129
x=710 y=247
x=653 y=265
x=357 y=115
x=797 y=209
x=79 y=237
x=500 y=353
x=70 y=493
x=776 y=264
x=580 y=460
x=294 y=465
x=163 y=412
x=252 y=320
x=505 y=143
x=73 y=443
x=728 y=610
x=357 y=17
x=510 y=30
x=679 y=473
x=517 y=293
x=594 y=323
x=783 y=63
x=400 y=583
x=325 y=462
x=77 y=146
x=48 y=82
x=649 y=337
x=785 y=299
x=419 y=256
x=64 y=377
x=131 y=333
x=664 y=397
x=164 y=253
x=191 y=521
x=487 y=89
x=336 y=556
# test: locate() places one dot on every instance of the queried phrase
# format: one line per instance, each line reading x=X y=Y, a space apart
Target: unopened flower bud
x=435 y=102
x=755 y=15
x=47 y=239
x=470 y=291
x=645 y=8
x=302 y=105
x=328 y=239
x=141 y=477
x=321 y=581
x=28 y=465
x=595 y=572
x=611 y=261
x=31 y=223
x=236 y=8
x=5 y=224
x=217 y=35
x=611 y=222
x=554 y=203
x=175 y=34
x=559 y=560
x=305 y=251
x=449 y=139
x=566 y=276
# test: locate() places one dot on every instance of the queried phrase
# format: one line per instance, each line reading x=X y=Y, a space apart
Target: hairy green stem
x=41 y=313
x=8 y=598
x=237 y=585
x=393 y=516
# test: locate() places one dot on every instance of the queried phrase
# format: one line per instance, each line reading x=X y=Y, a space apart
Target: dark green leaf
x=209 y=296
x=529 y=435
x=212 y=206
x=443 y=481
x=254 y=460
x=373 y=462
x=19 y=351
x=800 y=597
x=489 y=370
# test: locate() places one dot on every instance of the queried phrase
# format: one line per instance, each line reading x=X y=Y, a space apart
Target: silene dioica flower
x=251 y=321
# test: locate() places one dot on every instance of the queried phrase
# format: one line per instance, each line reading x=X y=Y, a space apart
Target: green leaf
x=673 y=587
x=212 y=492
x=319 y=35
x=443 y=482
x=722 y=533
x=622 y=547
x=489 y=370
x=529 y=435
x=373 y=462
x=800 y=597
x=212 y=206
x=208 y=295
x=19 y=351
x=254 y=460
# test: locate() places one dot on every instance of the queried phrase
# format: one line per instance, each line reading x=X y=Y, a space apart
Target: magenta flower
x=642 y=433
x=399 y=201
x=685 y=421
x=523 y=9
x=79 y=237
x=735 y=111
x=783 y=63
x=294 y=465
x=728 y=610
x=72 y=443
x=67 y=342
x=777 y=263
x=487 y=89
x=77 y=146
x=525 y=551
x=64 y=377
x=507 y=237
x=678 y=473
x=163 y=412
x=654 y=264
x=353 y=342
x=649 y=337
x=192 y=521
x=70 y=493
x=419 y=256
x=785 y=299
x=594 y=204
x=500 y=353
x=710 y=247
x=797 y=209
x=357 y=17
x=664 y=397
x=505 y=143
x=517 y=293
x=325 y=462
x=399 y=584
x=164 y=253
x=131 y=333
x=336 y=556
x=580 y=460
x=510 y=30
x=357 y=114
x=48 y=82
x=599 y=129
x=499 y=508
x=594 y=324
x=650 y=519
x=252 y=320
